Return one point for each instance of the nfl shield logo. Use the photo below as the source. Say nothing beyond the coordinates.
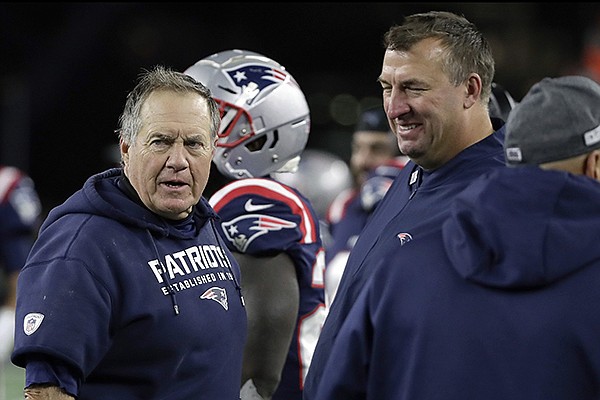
(32, 322)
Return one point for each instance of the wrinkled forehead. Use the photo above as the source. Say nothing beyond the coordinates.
(174, 104)
(175, 112)
(424, 59)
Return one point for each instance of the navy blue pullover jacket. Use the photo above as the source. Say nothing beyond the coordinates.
(94, 297)
(416, 202)
(501, 302)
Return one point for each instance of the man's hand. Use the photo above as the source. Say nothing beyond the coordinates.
(39, 392)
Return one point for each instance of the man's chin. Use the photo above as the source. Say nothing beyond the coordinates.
(174, 211)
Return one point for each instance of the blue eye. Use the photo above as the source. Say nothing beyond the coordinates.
(195, 144)
(158, 142)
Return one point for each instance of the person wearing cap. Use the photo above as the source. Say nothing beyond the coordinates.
(502, 301)
(557, 128)
(373, 143)
(374, 162)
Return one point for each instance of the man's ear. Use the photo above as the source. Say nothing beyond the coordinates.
(124, 148)
(473, 90)
(214, 147)
(592, 165)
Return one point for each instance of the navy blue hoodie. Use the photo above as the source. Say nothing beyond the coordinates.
(94, 297)
(501, 303)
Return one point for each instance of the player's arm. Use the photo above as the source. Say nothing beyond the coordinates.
(271, 292)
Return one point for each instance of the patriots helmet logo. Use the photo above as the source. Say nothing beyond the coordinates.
(261, 76)
(252, 79)
(241, 231)
(217, 294)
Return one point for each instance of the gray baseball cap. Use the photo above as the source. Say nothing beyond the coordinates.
(557, 119)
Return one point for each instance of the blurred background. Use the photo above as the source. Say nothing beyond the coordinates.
(66, 67)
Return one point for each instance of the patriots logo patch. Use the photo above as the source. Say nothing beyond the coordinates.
(32, 322)
(241, 231)
(404, 238)
(260, 75)
(217, 294)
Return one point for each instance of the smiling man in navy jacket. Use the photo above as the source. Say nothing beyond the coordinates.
(436, 81)
(502, 301)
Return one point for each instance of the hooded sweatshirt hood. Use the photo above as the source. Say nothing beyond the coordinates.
(524, 227)
(101, 196)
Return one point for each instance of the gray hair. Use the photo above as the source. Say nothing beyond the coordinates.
(162, 78)
(466, 49)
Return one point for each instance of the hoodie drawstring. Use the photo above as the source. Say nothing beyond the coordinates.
(165, 275)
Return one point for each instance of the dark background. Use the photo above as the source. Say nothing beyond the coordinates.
(65, 68)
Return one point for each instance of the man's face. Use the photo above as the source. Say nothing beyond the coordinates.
(426, 111)
(169, 161)
(370, 149)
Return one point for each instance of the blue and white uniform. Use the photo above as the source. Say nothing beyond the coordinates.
(116, 302)
(500, 302)
(260, 217)
(415, 203)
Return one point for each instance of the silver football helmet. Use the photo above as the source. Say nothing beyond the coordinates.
(265, 120)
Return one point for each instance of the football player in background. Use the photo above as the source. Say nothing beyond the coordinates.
(271, 227)
(20, 213)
